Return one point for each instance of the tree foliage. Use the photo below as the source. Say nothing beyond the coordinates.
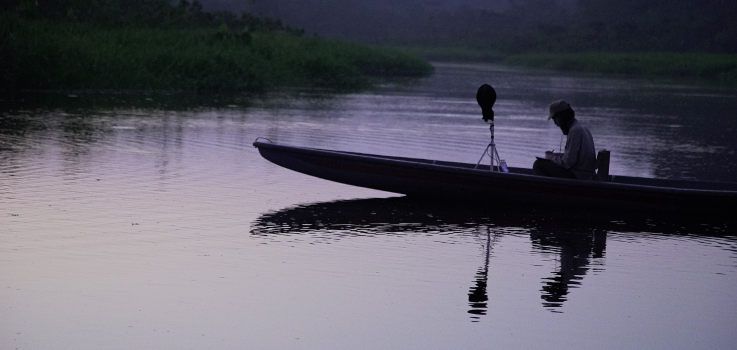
(606, 25)
(523, 25)
(155, 13)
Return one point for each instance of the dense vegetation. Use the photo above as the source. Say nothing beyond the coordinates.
(664, 38)
(612, 26)
(151, 45)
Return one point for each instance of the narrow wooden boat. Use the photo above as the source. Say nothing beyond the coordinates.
(467, 183)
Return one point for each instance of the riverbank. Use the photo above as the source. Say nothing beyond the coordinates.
(707, 67)
(714, 68)
(53, 55)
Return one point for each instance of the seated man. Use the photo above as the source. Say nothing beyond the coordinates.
(579, 159)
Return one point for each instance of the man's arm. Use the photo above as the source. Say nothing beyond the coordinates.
(573, 146)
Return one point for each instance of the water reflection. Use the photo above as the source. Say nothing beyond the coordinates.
(577, 247)
(577, 241)
(477, 296)
(364, 217)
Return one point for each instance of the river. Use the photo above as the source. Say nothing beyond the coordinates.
(125, 227)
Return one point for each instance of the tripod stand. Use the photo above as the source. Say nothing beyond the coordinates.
(501, 165)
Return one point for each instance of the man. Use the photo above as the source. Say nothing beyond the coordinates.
(579, 159)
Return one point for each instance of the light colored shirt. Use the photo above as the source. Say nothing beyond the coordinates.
(580, 155)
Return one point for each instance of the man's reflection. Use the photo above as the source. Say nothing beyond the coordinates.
(576, 249)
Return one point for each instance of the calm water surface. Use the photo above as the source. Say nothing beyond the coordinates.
(127, 228)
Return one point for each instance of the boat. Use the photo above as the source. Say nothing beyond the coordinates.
(476, 183)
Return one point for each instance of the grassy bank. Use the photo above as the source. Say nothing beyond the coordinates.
(720, 68)
(53, 55)
(714, 68)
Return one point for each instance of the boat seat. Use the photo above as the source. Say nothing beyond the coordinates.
(602, 165)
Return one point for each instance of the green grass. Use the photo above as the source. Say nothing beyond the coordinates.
(45, 55)
(720, 68)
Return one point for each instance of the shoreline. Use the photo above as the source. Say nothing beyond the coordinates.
(718, 69)
(709, 68)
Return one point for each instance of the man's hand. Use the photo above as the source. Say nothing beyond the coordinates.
(550, 155)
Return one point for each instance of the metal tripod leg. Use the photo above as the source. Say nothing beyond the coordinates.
(486, 150)
(492, 152)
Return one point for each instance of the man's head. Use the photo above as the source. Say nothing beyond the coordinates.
(562, 114)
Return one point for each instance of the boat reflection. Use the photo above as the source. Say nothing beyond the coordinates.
(578, 241)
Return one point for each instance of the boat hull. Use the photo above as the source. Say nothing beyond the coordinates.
(459, 181)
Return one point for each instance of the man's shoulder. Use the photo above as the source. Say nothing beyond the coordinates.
(579, 127)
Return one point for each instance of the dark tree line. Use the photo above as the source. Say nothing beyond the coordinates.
(674, 25)
(507, 25)
(522, 25)
(156, 13)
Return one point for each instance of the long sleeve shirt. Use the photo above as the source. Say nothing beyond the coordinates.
(580, 155)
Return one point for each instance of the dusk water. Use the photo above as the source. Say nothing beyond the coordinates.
(162, 228)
